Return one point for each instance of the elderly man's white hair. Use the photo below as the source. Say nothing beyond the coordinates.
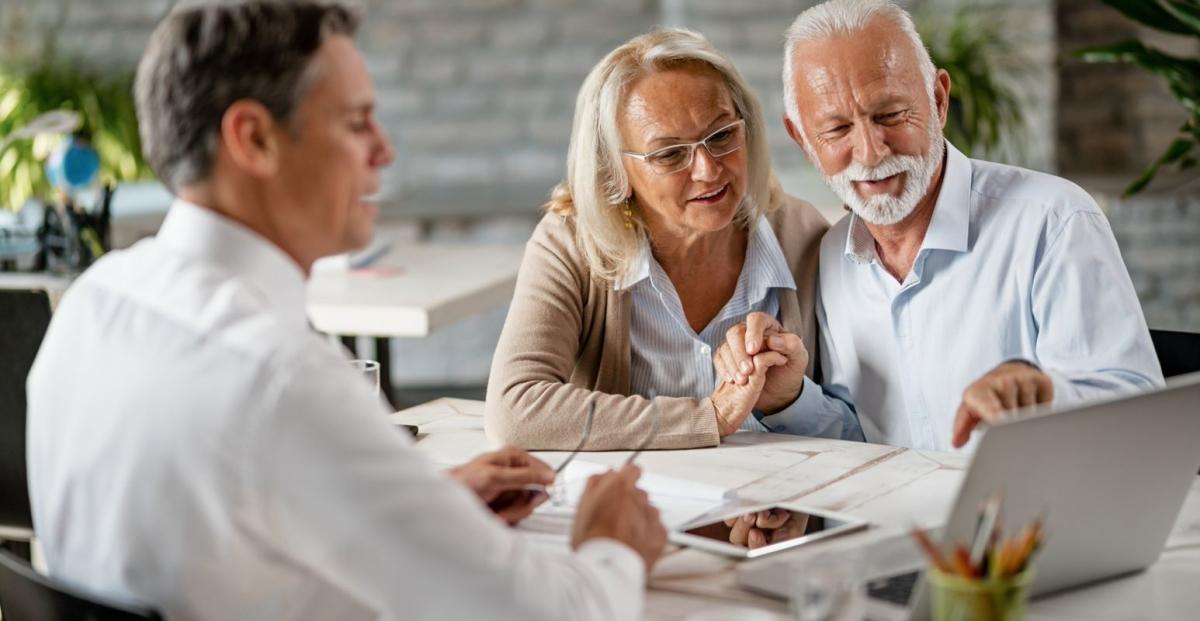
(846, 17)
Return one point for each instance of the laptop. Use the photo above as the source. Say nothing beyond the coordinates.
(1109, 478)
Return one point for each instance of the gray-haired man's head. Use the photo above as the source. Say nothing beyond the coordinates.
(867, 105)
(203, 58)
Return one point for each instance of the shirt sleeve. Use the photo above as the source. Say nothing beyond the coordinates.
(1092, 337)
(531, 400)
(337, 490)
(823, 411)
(815, 413)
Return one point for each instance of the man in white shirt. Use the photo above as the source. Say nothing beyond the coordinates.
(957, 289)
(194, 447)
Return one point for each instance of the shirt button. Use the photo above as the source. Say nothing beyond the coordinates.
(705, 350)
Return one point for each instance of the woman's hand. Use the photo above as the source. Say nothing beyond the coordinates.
(760, 334)
(734, 401)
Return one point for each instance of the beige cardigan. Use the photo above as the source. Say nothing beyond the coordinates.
(566, 340)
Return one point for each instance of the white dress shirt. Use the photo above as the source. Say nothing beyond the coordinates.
(1015, 265)
(671, 359)
(194, 447)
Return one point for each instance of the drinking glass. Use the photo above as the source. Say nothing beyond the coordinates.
(369, 369)
(829, 586)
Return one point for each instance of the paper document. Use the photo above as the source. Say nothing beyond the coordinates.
(670, 489)
(678, 501)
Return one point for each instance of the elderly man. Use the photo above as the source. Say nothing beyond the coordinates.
(957, 289)
(193, 446)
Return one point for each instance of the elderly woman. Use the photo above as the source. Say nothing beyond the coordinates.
(666, 233)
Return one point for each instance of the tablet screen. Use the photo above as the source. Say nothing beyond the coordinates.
(765, 527)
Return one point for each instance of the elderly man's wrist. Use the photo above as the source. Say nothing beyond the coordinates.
(783, 403)
(1025, 362)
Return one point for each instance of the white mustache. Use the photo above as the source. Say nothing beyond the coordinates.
(892, 166)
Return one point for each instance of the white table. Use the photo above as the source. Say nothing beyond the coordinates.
(413, 290)
(894, 488)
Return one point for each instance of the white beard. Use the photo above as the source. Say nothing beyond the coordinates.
(885, 209)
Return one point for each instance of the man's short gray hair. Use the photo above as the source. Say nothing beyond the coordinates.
(203, 58)
(840, 18)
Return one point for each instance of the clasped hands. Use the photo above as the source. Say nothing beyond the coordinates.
(761, 366)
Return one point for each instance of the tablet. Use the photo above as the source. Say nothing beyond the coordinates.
(752, 532)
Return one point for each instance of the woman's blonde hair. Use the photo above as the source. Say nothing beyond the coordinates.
(596, 183)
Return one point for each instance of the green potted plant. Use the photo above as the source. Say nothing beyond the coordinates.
(104, 102)
(1177, 17)
(985, 106)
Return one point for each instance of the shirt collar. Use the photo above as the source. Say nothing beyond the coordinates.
(208, 236)
(764, 257)
(860, 245)
(949, 229)
(638, 268)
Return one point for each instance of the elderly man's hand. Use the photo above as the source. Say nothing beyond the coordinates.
(501, 478)
(1009, 386)
(745, 341)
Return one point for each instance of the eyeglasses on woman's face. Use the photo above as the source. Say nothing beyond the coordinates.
(677, 157)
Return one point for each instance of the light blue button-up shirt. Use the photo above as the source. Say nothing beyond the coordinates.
(1015, 265)
(670, 359)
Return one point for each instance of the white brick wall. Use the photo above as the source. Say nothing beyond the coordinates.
(481, 92)
(1159, 235)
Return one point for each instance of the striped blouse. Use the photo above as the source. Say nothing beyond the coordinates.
(667, 356)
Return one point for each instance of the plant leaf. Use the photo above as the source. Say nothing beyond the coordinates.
(1150, 13)
(1183, 74)
(1188, 13)
(985, 69)
(1177, 151)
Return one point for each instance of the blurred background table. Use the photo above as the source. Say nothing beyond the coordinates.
(413, 290)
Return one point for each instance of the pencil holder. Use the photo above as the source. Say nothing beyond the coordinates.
(958, 599)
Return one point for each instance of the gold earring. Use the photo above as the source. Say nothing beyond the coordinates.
(627, 212)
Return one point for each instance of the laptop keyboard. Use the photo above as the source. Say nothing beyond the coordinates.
(897, 589)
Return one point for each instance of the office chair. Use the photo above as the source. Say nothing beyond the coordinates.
(26, 595)
(24, 316)
(1178, 352)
